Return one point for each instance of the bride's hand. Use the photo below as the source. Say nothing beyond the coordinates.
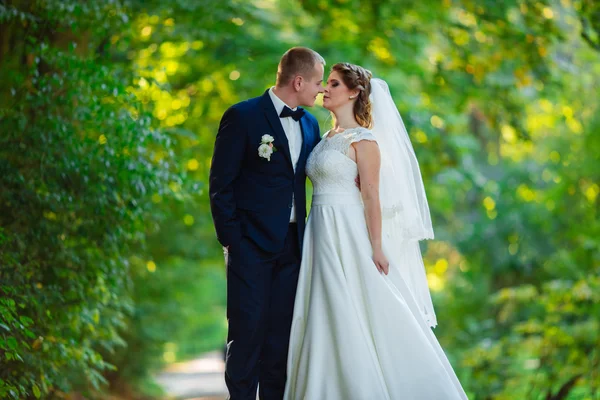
(381, 261)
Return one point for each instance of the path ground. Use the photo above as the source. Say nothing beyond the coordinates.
(199, 379)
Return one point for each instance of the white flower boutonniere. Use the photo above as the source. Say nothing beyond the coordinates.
(266, 148)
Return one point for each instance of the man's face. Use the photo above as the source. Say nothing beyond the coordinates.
(312, 85)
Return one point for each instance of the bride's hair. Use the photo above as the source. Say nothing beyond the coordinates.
(357, 77)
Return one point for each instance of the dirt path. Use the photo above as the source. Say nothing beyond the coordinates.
(199, 379)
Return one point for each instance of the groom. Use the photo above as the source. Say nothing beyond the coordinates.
(258, 203)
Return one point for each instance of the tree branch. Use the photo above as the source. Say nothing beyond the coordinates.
(586, 36)
(564, 390)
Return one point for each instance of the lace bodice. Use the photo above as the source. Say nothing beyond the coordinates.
(329, 167)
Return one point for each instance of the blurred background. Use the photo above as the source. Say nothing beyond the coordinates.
(109, 267)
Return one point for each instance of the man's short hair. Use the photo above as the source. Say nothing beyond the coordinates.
(297, 61)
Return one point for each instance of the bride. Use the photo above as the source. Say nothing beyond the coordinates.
(363, 312)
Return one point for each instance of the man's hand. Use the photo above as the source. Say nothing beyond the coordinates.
(226, 254)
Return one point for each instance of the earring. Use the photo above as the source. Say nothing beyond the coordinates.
(352, 97)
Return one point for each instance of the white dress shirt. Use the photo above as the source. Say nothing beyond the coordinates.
(293, 132)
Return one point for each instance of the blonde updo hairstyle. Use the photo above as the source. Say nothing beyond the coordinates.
(357, 77)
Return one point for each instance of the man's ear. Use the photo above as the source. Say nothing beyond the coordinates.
(298, 82)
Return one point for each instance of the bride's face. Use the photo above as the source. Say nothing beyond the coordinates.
(336, 93)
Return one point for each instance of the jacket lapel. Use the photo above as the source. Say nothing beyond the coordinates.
(281, 142)
(306, 129)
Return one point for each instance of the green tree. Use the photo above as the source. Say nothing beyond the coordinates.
(78, 165)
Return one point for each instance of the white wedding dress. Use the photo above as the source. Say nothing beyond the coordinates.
(357, 334)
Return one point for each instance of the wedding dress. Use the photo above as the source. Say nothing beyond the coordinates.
(358, 334)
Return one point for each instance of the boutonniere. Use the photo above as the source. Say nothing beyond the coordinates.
(266, 148)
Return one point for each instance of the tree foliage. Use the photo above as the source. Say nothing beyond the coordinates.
(79, 160)
(108, 115)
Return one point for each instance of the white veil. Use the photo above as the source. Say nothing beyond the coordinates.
(405, 211)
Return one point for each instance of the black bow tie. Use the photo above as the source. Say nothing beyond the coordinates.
(287, 112)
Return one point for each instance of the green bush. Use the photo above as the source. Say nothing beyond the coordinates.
(79, 162)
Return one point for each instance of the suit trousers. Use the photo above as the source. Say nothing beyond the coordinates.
(261, 289)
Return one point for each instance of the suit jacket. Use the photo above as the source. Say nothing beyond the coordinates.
(250, 196)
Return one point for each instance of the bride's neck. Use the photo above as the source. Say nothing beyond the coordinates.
(345, 120)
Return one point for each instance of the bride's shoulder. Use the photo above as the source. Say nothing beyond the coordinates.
(360, 133)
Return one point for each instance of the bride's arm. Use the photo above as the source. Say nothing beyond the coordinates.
(368, 160)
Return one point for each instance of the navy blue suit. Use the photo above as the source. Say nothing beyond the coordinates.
(251, 200)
